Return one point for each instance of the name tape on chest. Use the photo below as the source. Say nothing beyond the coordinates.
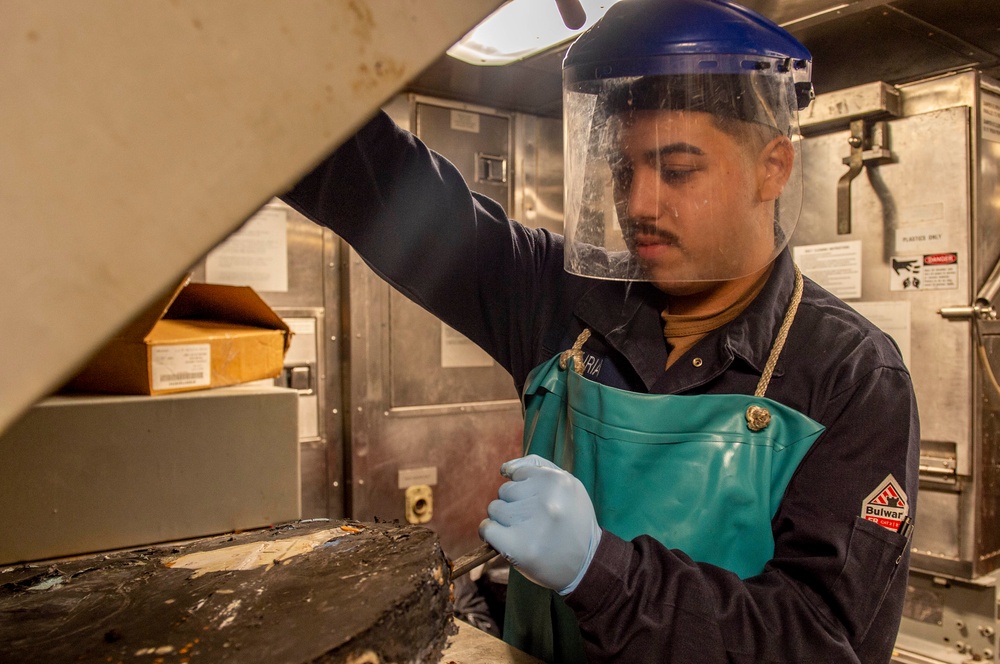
(592, 365)
(887, 505)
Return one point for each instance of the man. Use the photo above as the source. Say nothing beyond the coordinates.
(703, 426)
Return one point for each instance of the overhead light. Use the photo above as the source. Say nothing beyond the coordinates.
(519, 29)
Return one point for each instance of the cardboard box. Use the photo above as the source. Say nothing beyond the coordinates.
(198, 336)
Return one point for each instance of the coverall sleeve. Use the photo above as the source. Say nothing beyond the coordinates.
(409, 214)
(833, 591)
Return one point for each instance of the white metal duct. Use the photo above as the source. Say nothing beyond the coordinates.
(136, 135)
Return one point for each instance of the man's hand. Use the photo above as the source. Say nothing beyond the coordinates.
(543, 523)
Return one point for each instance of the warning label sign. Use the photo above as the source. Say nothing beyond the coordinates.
(887, 505)
(927, 272)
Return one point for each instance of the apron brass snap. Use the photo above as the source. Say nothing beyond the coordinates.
(758, 418)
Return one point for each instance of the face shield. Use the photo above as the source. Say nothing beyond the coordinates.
(683, 169)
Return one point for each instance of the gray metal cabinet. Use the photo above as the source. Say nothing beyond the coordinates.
(921, 240)
(432, 417)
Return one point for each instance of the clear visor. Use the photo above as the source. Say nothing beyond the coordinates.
(680, 178)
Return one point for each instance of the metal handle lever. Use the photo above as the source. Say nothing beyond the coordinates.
(855, 163)
(982, 307)
(980, 310)
(869, 143)
(572, 12)
(465, 564)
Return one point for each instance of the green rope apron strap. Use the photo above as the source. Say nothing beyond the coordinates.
(576, 352)
(758, 417)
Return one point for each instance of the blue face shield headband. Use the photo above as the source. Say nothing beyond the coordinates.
(656, 74)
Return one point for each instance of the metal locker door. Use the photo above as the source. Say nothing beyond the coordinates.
(432, 416)
(918, 205)
(923, 240)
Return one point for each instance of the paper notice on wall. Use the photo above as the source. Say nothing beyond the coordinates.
(308, 416)
(416, 476)
(302, 350)
(835, 266)
(990, 116)
(457, 351)
(256, 255)
(465, 121)
(924, 272)
(893, 318)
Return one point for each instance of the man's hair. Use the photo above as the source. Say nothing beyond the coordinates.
(733, 101)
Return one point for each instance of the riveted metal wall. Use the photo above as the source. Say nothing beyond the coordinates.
(923, 215)
(430, 415)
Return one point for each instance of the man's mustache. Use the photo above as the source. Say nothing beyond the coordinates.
(632, 228)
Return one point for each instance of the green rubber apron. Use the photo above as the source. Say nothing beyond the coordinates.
(703, 474)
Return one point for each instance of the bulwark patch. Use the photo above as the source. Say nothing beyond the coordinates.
(887, 505)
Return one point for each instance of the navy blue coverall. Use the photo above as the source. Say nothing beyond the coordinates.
(834, 590)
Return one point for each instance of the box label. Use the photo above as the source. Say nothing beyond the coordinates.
(187, 365)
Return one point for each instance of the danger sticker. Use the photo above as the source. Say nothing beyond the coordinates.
(927, 272)
(887, 505)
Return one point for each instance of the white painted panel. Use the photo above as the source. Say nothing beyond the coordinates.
(137, 135)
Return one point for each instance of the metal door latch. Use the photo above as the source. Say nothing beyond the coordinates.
(869, 143)
(982, 306)
(491, 168)
(980, 310)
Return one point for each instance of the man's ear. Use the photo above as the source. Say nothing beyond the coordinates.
(774, 166)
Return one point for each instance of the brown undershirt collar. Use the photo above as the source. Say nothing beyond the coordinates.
(684, 331)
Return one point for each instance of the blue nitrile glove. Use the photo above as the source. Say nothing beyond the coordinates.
(543, 523)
